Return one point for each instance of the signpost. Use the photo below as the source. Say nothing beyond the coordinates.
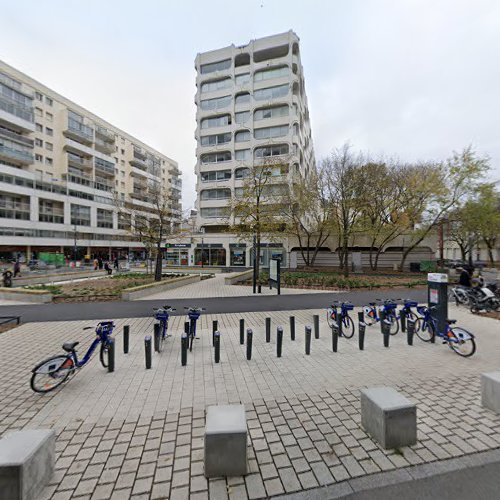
(275, 274)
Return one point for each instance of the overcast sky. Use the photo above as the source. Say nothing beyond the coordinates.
(415, 79)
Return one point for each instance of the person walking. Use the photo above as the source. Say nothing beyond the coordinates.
(116, 263)
(17, 268)
(96, 264)
(99, 261)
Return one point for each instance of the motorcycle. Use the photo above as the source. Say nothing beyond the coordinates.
(7, 278)
(483, 299)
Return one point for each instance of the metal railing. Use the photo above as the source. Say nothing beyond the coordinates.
(17, 137)
(16, 154)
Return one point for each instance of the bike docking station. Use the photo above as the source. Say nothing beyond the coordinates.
(437, 297)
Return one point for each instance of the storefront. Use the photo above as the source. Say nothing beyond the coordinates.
(237, 254)
(270, 251)
(178, 254)
(210, 254)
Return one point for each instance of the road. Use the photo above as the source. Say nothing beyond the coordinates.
(216, 305)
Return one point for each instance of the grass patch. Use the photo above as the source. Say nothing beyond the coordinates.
(53, 289)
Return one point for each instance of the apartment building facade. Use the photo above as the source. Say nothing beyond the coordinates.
(62, 169)
(251, 109)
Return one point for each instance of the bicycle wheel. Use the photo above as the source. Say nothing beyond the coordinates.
(426, 330)
(394, 324)
(416, 318)
(103, 354)
(347, 327)
(191, 338)
(331, 322)
(160, 339)
(463, 342)
(51, 373)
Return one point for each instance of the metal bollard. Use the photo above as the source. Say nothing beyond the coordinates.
(316, 326)
(111, 355)
(268, 330)
(156, 336)
(147, 347)
(410, 330)
(361, 330)
(249, 343)
(339, 322)
(186, 327)
(126, 333)
(292, 327)
(381, 315)
(184, 349)
(279, 341)
(402, 318)
(217, 346)
(335, 337)
(386, 331)
(215, 327)
(242, 331)
(308, 339)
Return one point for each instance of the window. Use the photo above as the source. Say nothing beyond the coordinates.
(49, 101)
(38, 112)
(48, 161)
(242, 98)
(271, 132)
(214, 85)
(38, 158)
(271, 93)
(242, 136)
(276, 112)
(211, 212)
(39, 127)
(218, 175)
(104, 218)
(49, 146)
(49, 116)
(14, 207)
(123, 151)
(216, 157)
(49, 131)
(213, 140)
(80, 215)
(218, 121)
(50, 211)
(242, 79)
(267, 74)
(38, 96)
(216, 194)
(275, 150)
(39, 142)
(241, 173)
(242, 154)
(216, 66)
(242, 117)
(214, 104)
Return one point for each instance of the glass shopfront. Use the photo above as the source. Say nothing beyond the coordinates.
(237, 254)
(270, 251)
(178, 254)
(210, 255)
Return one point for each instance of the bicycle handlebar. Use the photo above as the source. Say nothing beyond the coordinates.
(195, 308)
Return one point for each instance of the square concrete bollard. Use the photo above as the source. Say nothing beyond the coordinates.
(389, 417)
(490, 391)
(27, 461)
(226, 441)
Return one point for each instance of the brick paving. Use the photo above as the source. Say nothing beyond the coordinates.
(139, 434)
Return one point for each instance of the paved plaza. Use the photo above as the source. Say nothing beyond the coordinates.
(138, 433)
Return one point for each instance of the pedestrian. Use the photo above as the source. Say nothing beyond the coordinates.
(465, 277)
(107, 267)
(99, 261)
(17, 268)
(116, 264)
(96, 264)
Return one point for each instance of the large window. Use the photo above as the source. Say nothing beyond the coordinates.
(267, 74)
(213, 212)
(218, 121)
(217, 103)
(242, 136)
(104, 218)
(242, 154)
(275, 112)
(271, 132)
(242, 79)
(14, 207)
(218, 175)
(216, 66)
(242, 98)
(216, 194)
(51, 211)
(80, 215)
(214, 140)
(210, 256)
(241, 173)
(271, 93)
(221, 84)
(241, 117)
(216, 157)
(275, 150)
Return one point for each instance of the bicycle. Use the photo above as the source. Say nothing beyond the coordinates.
(193, 314)
(407, 310)
(388, 307)
(458, 339)
(347, 322)
(162, 315)
(52, 372)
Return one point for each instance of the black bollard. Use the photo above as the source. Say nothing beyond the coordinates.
(156, 336)
(249, 343)
(111, 354)
(361, 330)
(410, 330)
(126, 333)
(215, 327)
(279, 341)
(386, 331)
(184, 349)
(308, 339)
(186, 327)
(335, 337)
(259, 288)
(381, 315)
(268, 330)
(292, 327)
(147, 347)
(339, 322)
(242, 331)
(402, 318)
(217, 346)
(316, 326)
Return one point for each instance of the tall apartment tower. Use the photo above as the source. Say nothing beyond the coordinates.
(61, 167)
(251, 106)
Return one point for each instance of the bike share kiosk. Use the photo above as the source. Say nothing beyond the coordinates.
(437, 297)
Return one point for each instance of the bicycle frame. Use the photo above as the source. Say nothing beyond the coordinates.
(344, 312)
(103, 331)
(427, 317)
(388, 308)
(162, 316)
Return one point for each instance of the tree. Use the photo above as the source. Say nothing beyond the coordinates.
(463, 229)
(151, 225)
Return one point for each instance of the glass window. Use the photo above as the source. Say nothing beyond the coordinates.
(218, 175)
(214, 85)
(214, 104)
(241, 117)
(276, 112)
(38, 157)
(213, 140)
(48, 161)
(38, 96)
(216, 194)
(216, 66)
(242, 136)
(242, 154)
(210, 256)
(216, 157)
(39, 143)
(267, 74)
(49, 101)
(104, 218)
(241, 173)
(39, 127)
(49, 146)
(242, 79)
(212, 212)
(49, 131)
(242, 98)
(271, 93)
(49, 116)
(275, 150)
(237, 256)
(217, 121)
(80, 215)
(271, 132)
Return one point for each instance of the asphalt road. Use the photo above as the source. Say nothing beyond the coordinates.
(216, 305)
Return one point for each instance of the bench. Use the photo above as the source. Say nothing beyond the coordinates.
(27, 461)
(226, 441)
(490, 391)
(389, 417)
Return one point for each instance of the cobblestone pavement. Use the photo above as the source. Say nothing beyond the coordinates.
(215, 287)
(138, 433)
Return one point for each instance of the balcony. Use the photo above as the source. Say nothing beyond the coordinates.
(103, 184)
(79, 131)
(16, 114)
(138, 173)
(16, 156)
(10, 209)
(139, 163)
(104, 167)
(139, 194)
(104, 147)
(21, 139)
(78, 178)
(105, 134)
(79, 161)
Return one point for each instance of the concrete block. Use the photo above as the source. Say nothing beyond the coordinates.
(389, 417)
(226, 441)
(490, 391)
(27, 461)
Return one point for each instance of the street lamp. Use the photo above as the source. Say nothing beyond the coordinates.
(74, 245)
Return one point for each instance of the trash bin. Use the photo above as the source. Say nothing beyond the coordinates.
(437, 297)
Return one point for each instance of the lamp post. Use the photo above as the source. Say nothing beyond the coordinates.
(254, 263)
(74, 245)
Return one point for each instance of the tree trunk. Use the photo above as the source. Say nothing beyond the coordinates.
(463, 252)
(345, 251)
(158, 263)
(489, 246)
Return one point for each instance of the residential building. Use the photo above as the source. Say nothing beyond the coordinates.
(62, 169)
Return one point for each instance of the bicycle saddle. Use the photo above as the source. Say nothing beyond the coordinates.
(70, 346)
(451, 321)
(372, 303)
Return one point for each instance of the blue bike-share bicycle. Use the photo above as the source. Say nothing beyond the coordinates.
(193, 314)
(162, 315)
